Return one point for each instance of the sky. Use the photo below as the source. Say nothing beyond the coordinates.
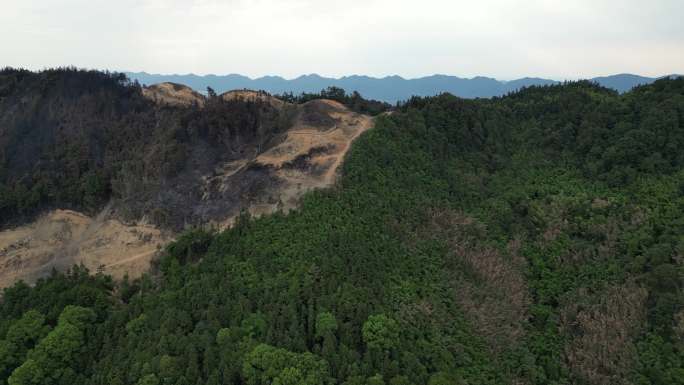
(505, 39)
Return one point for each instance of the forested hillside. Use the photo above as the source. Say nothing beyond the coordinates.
(535, 238)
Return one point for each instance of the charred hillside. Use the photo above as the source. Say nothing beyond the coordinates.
(96, 170)
(80, 139)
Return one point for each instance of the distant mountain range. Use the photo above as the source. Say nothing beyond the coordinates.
(390, 89)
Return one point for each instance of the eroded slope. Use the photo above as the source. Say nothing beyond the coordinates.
(261, 172)
(305, 157)
(173, 94)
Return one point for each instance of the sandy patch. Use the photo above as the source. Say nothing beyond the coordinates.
(62, 238)
(173, 94)
(309, 156)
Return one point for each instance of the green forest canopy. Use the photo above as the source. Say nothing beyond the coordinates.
(535, 238)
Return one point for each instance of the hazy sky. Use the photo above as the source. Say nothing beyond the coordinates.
(498, 38)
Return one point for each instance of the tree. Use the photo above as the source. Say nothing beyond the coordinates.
(149, 379)
(334, 93)
(443, 378)
(55, 359)
(254, 326)
(400, 380)
(380, 332)
(169, 369)
(269, 365)
(325, 324)
(22, 335)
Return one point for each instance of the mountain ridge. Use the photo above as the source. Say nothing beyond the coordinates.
(392, 89)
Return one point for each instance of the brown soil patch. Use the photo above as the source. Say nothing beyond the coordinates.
(63, 238)
(309, 157)
(304, 158)
(173, 94)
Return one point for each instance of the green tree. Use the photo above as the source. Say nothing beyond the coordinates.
(22, 335)
(269, 365)
(56, 357)
(149, 379)
(443, 378)
(325, 324)
(380, 332)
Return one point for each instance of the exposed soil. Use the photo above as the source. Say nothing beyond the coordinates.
(63, 238)
(304, 158)
(317, 154)
(173, 94)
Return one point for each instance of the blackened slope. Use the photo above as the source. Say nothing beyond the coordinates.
(162, 155)
(76, 139)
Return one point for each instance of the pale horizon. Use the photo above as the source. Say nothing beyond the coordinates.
(496, 38)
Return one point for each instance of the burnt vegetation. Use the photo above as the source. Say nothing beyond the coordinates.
(79, 139)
